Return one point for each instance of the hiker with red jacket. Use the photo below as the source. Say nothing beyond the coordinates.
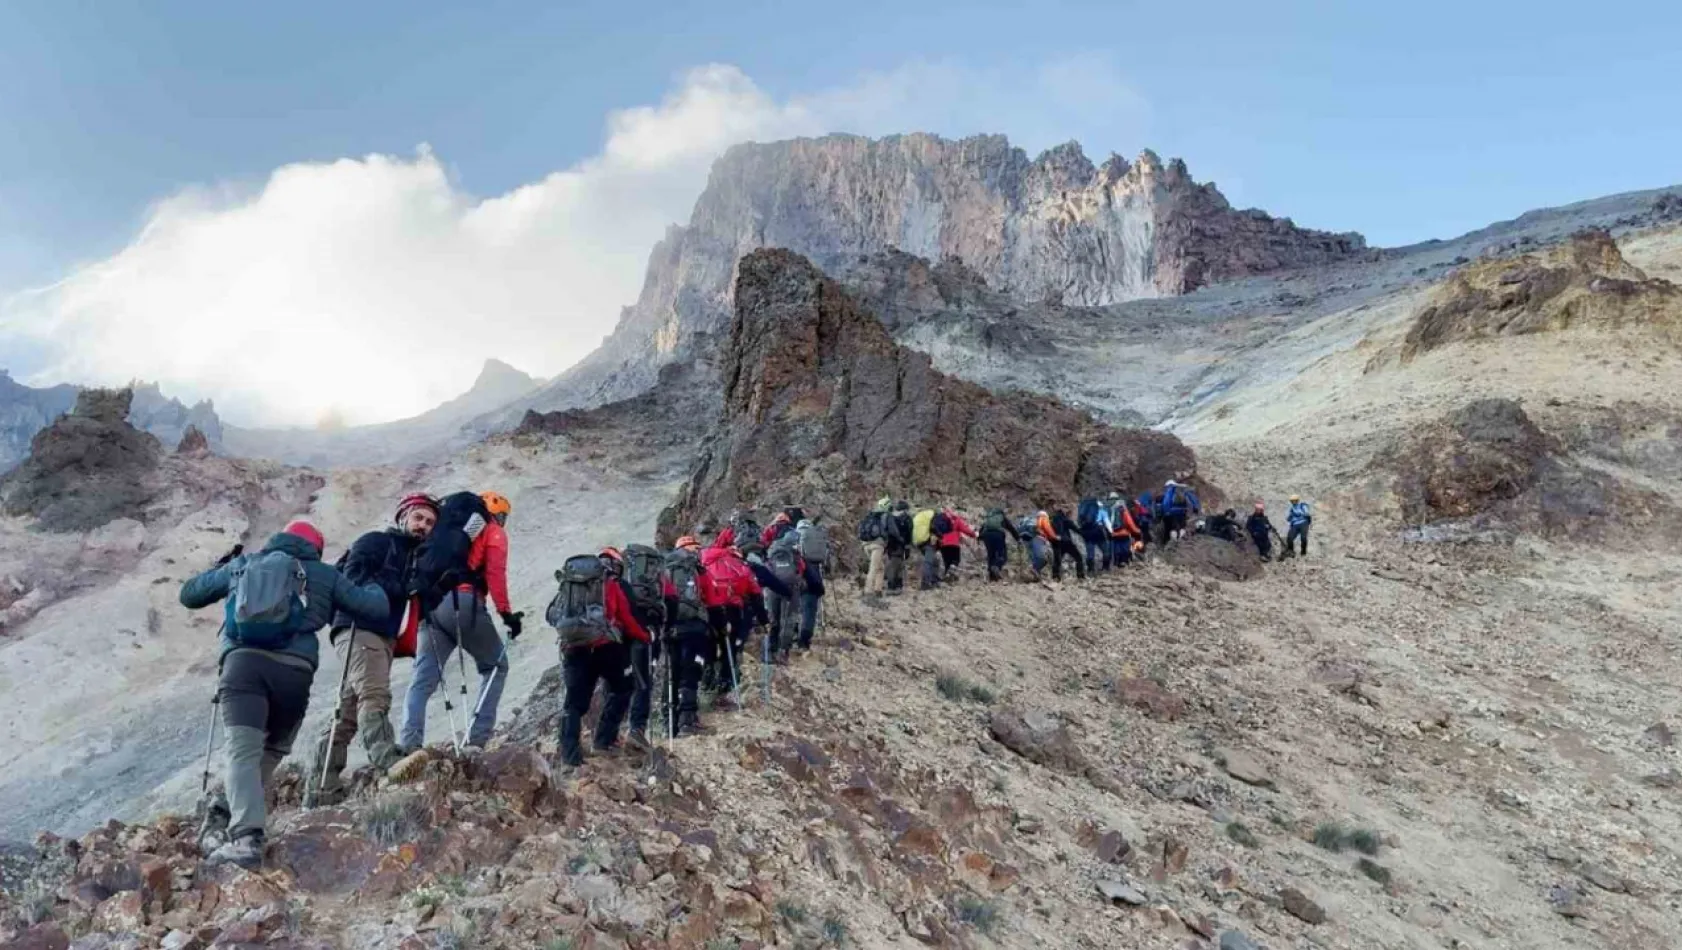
(366, 649)
(460, 619)
(278, 601)
(730, 622)
(596, 629)
(951, 550)
(692, 596)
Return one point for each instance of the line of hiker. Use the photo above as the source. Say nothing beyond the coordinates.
(421, 588)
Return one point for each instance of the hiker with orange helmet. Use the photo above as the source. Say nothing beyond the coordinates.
(277, 602)
(597, 626)
(692, 597)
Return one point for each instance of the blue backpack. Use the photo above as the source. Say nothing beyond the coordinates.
(268, 595)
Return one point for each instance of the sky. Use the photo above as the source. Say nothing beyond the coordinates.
(314, 210)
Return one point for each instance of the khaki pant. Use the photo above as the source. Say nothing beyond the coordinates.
(365, 704)
(876, 577)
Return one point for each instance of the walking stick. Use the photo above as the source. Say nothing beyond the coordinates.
(210, 739)
(765, 667)
(485, 688)
(730, 660)
(333, 724)
(443, 685)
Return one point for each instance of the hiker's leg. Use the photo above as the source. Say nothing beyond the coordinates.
(642, 690)
(613, 668)
(777, 606)
(480, 640)
(808, 618)
(580, 675)
(431, 653)
(1305, 540)
(244, 699)
(370, 678)
(874, 575)
(341, 730)
(289, 700)
(896, 569)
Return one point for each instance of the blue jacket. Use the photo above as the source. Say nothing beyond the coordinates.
(1299, 515)
(328, 590)
(1175, 500)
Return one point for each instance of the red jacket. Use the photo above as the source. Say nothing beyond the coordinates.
(730, 574)
(775, 529)
(488, 557)
(619, 612)
(960, 530)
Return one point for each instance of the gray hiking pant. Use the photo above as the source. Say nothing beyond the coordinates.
(781, 633)
(931, 567)
(466, 613)
(264, 697)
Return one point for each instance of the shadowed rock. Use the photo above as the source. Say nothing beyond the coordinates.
(86, 469)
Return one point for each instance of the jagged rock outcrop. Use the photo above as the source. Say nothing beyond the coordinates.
(86, 469)
(821, 406)
(169, 418)
(24, 411)
(1584, 281)
(193, 442)
(1055, 228)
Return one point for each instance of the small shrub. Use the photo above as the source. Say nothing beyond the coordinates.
(958, 690)
(792, 913)
(835, 930)
(426, 898)
(1240, 833)
(560, 943)
(1372, 869)
(154, 621)
(460, 935)
(391, 822)
(984, 916)
(1329, 836)
(1364, 840)
(453, 884)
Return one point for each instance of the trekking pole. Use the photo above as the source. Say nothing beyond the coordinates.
(730, 660)
(210, 739)
(765, 668)
(485, 688)
(333, 724)
(444, 687)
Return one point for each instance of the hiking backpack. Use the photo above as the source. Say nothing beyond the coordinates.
(940, 526)
(441, 560)
(784, 560)
(267, 597)
(643, 567)
(579, 611)
(814, 543)
(1027, 528)
(872, 527)
(746, 530)
(920, 524)
(684, 569)
(995, 521)
(1172, 499)
(1086, 516)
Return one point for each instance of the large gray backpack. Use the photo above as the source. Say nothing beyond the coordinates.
(579, 610)
(784, 559)
(684, 569)
(268, 595)
(814, 543)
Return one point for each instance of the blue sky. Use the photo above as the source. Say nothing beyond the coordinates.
(1402, 121)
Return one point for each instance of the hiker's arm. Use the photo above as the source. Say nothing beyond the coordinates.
(619, 613)
(367, 602)
(496, 572)
(206, 589)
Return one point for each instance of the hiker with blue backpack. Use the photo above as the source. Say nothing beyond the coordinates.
(1178, 503)
(1093, 521)
(278, 600)
(1298, 519)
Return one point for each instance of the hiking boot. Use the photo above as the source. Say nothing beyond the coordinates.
(689, 724)
(611, 748)
(780, 659)
(637, 741)
(245, 851)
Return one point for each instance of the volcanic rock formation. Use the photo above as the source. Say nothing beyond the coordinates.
(87, 468)
(822, 406)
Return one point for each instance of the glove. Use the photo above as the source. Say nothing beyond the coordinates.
(233, 552)
(512, 622)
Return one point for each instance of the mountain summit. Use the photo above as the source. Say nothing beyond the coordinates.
(1054, 228)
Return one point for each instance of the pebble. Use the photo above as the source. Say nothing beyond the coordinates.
(1235, 940)
(1120, 892)
(1299, 906)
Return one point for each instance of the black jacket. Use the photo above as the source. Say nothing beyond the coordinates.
(899, 531)
(1258, 525)
(387, 559)
(1064, 526)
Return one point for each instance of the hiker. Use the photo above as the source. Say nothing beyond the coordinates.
(1176, 505)
(1062, 532)
(278, 600)
(1124, 532)
(593, 622)
(951, 542)
(1298, 520)
(1144, 516)
(1034, 542)
(460, 618)
(1261, 531)
(643, 578)
(995, 528)
(814, 550)
(1223, 525)
(926, 528)
(780, 525)
(898, 544)
(729, 620)
(873, 531)
(789, 568)
(1093, 523)
(690, 599)
(366, 650)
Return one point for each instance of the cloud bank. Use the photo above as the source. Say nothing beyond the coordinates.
(372, 288)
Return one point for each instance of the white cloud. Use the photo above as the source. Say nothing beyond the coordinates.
(374, 287)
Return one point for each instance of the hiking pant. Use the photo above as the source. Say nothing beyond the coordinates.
(931, 568)
(692, 640)
(1121, 550)
(263, 697)
(609, 663)
(464, 612)
(781, 631)
(1097, 554)
(1264, 544)
(1297, 531)
(364, 703)
(896, 568)
(951, 555)
(808, 617)
(1173, 525)
(738, 628)
(997, 556)
(874, 578)
(642, 684)
(1039, 551)
(1065, 548)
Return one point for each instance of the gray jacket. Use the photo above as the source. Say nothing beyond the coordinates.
(328, 590)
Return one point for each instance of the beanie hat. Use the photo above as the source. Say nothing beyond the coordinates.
(307, 531)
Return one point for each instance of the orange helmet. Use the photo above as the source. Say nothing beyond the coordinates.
(611, 553)
(687, 542)
(496, 504)
(1138, 546)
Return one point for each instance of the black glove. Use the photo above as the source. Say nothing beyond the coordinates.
(233, 552)
(512, 622)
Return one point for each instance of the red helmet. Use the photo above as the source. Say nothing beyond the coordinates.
(611, 552)
(415, 500)
(687, 541)
(307, 531)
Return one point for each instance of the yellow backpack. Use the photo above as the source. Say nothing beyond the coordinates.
(920, 527)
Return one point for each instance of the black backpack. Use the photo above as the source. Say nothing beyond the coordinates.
(746, 529)
(441, 560)
(644, 566)
(1086, 516)
(684, 568)
(939, 526)
(872, 527)
(579, 610)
